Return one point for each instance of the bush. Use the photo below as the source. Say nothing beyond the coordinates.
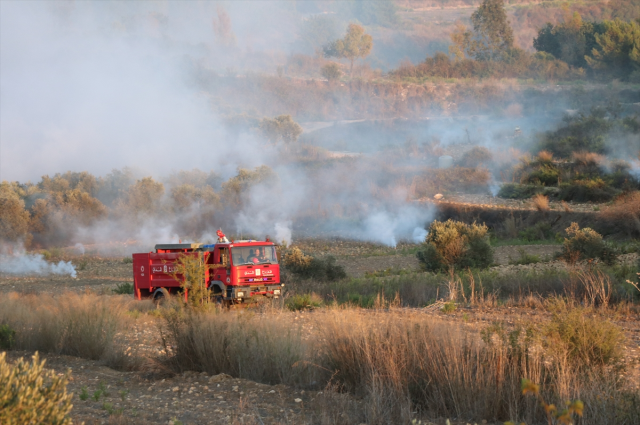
(539, 232)
(586, 191)
(76, 325)
(30, 394)
(7, 337)
(308, 267)
(124, 288)
(586, 244)
(331, 71)
(586, 340)
(456, 245)
(519, 191)
(304, 301)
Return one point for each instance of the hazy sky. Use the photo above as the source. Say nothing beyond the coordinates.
(101, 85)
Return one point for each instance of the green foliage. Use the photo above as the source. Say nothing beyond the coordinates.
(569, 41)
(7, 337)
(84, 394)
(519, 191)
(189, 270)
(599, 131)
(538, 232)
(331, 71)
(455, 245)
(304, 301)
(281, 129)
(123, 288)
(586, 340)
(586, 191)
(617, 54)
(127, 260)
(355, 44)
(586, 244)
(448, 307)
(30, 394)
(308, 267)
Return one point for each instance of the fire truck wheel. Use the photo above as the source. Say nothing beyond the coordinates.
(160, 296)
(221, 302)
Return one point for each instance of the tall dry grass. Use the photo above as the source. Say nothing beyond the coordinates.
(398, 365)
(78, 325)
(251, 346)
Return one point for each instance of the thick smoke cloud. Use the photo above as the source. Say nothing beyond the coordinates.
(22, 263)
(102, 85)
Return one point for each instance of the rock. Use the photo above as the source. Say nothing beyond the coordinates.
(220, 377)
(438, 196)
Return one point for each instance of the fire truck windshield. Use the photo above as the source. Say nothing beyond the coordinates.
(257, 254)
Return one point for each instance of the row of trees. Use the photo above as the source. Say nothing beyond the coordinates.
(574, 48)
(52, 211)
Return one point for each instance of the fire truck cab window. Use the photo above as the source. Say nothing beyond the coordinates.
(258, 254)
(224, 257)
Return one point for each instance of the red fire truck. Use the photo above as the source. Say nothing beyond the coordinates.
(237, 272)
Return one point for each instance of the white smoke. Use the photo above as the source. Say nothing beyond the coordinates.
(283, 232)
(79, 248)
(419, 235)
(22, 263)
(388, 227)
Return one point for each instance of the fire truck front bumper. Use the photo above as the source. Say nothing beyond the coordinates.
(247, 292)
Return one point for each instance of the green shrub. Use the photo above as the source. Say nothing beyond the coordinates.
(586, 191)
(448, 307)
(545, 175)
(7, 337)
(586, 244)
(308, 267)
(519, 191)
(584, 339)
(123, 288)
(30, 394)
(127, 260)
(539, 232)
(524, 258)
(456, 245)
(304, 301)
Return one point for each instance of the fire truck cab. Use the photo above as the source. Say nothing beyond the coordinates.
(236, 272)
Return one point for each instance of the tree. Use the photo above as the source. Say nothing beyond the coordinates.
(355, 44)
(618, 50)
(145, 196)
(492, 36)
(14, 219)
(331, 71)
(569, 41)
(282, 127)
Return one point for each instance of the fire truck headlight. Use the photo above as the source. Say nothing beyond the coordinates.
(240, 294)
(276, 292)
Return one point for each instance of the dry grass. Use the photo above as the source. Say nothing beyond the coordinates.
(78, 325)
(625, 212)
(540, 202)
(399, 365)
(588, 159)
(545, 157)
